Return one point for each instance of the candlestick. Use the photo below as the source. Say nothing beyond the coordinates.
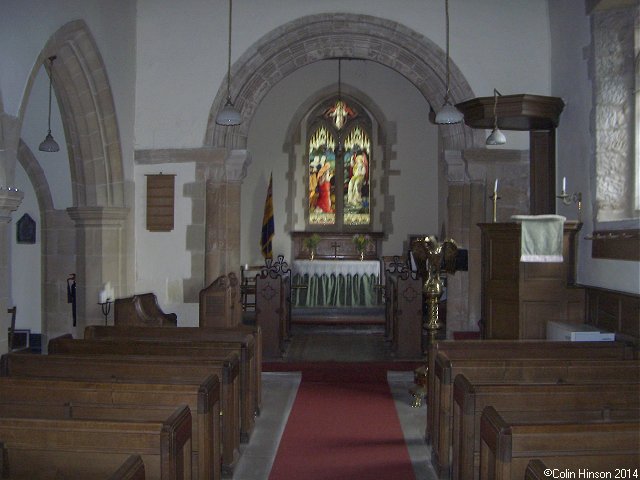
(495, 199)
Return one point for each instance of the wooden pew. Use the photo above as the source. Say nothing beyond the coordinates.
(192, 348)
(273, 311)
(407, 320)
(203, 399)
(131, 469)
(530, 402)
(81, 449)
(535, 470)
(507, 448)
(248, 338)
(496, 349)
(515, 370)
(141, 309)
(143, 368)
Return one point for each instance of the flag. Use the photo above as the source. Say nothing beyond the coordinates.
(267, 222)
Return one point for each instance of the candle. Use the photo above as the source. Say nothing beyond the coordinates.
(495, 187)
(102, 297)
(564, 184)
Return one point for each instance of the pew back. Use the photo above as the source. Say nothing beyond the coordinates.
(202, 398)
(192, 349)
(507, 448)
(143, 369)
(143, 310)
(516, 370)
(80, 449)
(529, 403)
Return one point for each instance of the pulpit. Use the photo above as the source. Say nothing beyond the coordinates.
(338, 276)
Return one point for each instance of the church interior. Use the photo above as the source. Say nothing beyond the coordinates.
(211, 208)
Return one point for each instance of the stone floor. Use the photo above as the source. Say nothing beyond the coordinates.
(315, 343)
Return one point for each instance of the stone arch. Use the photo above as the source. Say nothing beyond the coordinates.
(88, 115)
(96, 223)
(317, 37)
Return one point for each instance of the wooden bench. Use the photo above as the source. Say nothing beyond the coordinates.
(202, 398)
(249, 340)
(507, 448)
(530, 402)
(517, 370)
(490, 349)
(80, 449)
(192, 348)
(143, 368)
(141, 309)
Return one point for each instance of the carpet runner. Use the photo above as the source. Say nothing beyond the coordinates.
(343, 425)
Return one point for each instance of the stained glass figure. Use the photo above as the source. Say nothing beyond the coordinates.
(322, 166)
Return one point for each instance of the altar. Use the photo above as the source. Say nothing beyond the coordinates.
(335, 283)
(337, 276)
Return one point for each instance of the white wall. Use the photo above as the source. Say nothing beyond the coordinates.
(571, 38)
(26, 262)
(162, 258)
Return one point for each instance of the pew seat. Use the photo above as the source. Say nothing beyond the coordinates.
(141, 309)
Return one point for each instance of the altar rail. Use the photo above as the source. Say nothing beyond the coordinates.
(336, 246)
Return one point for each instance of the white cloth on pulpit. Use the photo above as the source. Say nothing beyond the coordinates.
(541, 237)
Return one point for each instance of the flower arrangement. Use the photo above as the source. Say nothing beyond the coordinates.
(361, 241)
(312, 241)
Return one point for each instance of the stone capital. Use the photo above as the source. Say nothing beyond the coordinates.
(98, 216)
(233, 169)
(10, 200)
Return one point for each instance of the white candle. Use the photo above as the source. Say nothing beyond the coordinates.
(564, 184)
(103, 296)
(495, 186)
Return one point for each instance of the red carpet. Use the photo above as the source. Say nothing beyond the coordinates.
(343, 425)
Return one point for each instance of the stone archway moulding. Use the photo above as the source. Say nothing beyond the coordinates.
(318, 37)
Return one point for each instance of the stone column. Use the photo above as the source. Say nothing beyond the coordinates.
(222, 225)
(10, 199)
(100, 236)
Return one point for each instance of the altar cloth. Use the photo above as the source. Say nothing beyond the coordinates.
(335, 283)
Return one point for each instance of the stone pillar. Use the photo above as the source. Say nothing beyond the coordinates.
(10, 199)
(100, 236)
(222, 226)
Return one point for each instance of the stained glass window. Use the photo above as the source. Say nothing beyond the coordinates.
(339, 161)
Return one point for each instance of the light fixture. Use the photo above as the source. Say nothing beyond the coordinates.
(49, 144)
(448, 114)
(496, 137)
(229, 115)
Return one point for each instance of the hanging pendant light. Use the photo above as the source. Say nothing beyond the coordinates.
(229, 115)
(448, 114)
(496, 137)
(49, 144)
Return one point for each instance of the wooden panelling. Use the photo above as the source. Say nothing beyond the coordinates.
(616, 244)
(615, 312)
(518, 298)
(160, 198)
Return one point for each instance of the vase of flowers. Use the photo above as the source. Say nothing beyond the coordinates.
(311, 243)
(361, 241)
